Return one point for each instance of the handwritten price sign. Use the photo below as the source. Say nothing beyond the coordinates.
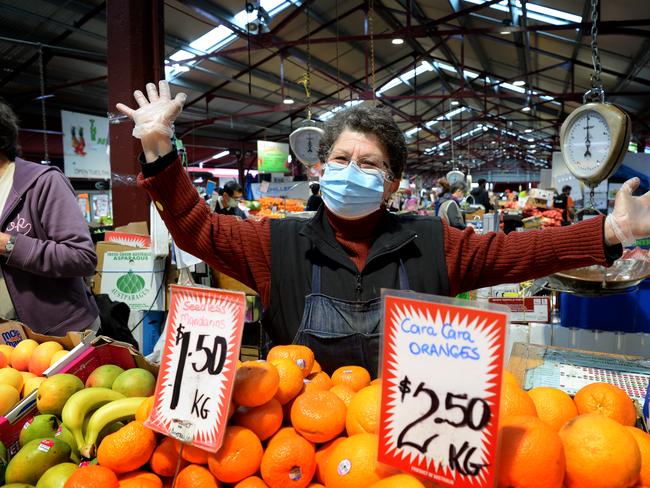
(198, 365)
(441, 377)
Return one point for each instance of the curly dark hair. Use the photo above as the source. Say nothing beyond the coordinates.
(367, 119)
(8, 132)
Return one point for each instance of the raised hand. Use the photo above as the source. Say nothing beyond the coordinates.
(156, 115)
(630, 219)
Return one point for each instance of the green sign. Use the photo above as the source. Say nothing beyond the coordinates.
(272, 157)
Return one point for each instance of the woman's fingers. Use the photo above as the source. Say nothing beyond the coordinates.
(152, 93)
(128, 111)
(140, 98)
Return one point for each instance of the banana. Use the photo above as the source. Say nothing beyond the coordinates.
(114, 411)
(81, 404)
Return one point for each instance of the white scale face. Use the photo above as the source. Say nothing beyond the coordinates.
(304, 142)
(588, 144)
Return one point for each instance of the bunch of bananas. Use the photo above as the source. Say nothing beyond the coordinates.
(96, 408)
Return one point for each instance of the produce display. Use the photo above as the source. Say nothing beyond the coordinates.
(293, 425)
(22, 368)
(549, 218)
(277, 207)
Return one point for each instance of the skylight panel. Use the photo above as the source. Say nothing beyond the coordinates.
(535, 12)
(510, 86)
(181, 55)
(208, 41)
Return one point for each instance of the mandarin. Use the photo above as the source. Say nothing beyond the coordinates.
(195, 476)
(353, 463)
(398, 481)
(140, 479)
(363, 412)
(289, 460)
(344, 392)
(192, 454)
(92, 477)
(515, 402)
(322, 456)
(318, 415)
(600, 453)
(264, 420)
(643, 441)
(355, 377)
(291, 380)
(238, 457)
(301, 355)
(127, 449)
(252, 482)
(256, 382)
(553, 406)
(144, 410)
(531, 454)
(608, 400)
(318, 381)
(165, 458)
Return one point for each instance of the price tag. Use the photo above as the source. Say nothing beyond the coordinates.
(199, 360)
(441, 376)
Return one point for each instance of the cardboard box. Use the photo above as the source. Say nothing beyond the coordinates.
(526, 309)
(135, 278)
(12, 332)
(571, 369)
(102, 350)
(540, 194)
(134, 228)
(101, 249)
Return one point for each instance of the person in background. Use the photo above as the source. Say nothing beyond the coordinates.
(45, 246)
(448, 208)
(481, 196)
(228, 201)
(564, 202)
(315, 200)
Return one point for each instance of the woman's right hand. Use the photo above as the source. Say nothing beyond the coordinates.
(154, 118)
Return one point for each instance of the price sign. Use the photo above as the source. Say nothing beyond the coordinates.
(441, 377)
(197, 370)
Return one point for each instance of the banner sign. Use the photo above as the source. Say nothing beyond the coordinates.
(441, 380)
(272, 157)
(85, 144)
(199, 361)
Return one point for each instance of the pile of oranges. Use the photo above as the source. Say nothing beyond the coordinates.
(291, 425)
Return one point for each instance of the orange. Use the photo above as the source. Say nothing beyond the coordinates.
(532, 455)
(4, 362)
(301, 355)
(41, 357)
(376, 381)
(232, 408)
(363, 412)
(290, 380)
(252, 482)
(600, 453)
(240, 455)
(264, 420)
(398, 481)
(6, 351)
(92, 477)
(323, 454)
(318, 381)
(643, 442)
(289, 460)
(194, 476)
(127, 449)
(607, 400)
(192, 454)
(164, 458)
(353, 463)
(315, 485)
(9, 396)
(21, 354)
(344, 392)
(318, 415)
(515, 402)
(553, 406)
(508, 377)
(256, 382)
(355, 377)
(140, 479)
(144, 410)
(316, 368)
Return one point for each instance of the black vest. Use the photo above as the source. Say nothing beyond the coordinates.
(297, 243)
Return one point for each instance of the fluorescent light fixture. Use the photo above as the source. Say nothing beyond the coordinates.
(504, 32)
(221, 154)
(397, 41)
(528, 131)
(511, 87)
(526, 109)
(412, 131)
(532, 146)
(454, 102)
(288, 101)
(329, 114)
(441, 153)
(519, 83)
(493, 142)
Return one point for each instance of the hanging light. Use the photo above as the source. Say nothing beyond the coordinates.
(288, 101)
(397, 41)
(526, 109)
(519, 83)
(454, 103)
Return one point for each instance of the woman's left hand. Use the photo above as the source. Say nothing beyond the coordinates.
(630, 219)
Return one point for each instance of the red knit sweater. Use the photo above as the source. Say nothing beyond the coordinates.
(241, 249)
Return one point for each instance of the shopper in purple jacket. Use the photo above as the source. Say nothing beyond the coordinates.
(45, 245)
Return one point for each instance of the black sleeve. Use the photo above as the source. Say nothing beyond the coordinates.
(152, 169)
(455, 218)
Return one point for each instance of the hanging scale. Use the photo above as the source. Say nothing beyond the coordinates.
(595, 136)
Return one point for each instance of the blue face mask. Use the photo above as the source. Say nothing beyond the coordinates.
(350, 192)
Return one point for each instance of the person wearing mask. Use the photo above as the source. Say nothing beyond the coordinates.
(315, 200)
(448, 206)
(320, 279)
(45, 246)
(564, 202)
(228, 201)
(481, 195)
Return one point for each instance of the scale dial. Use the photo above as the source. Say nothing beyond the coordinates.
(304, 142)
(594, 139)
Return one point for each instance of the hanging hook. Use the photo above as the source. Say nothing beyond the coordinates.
(41, 75)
